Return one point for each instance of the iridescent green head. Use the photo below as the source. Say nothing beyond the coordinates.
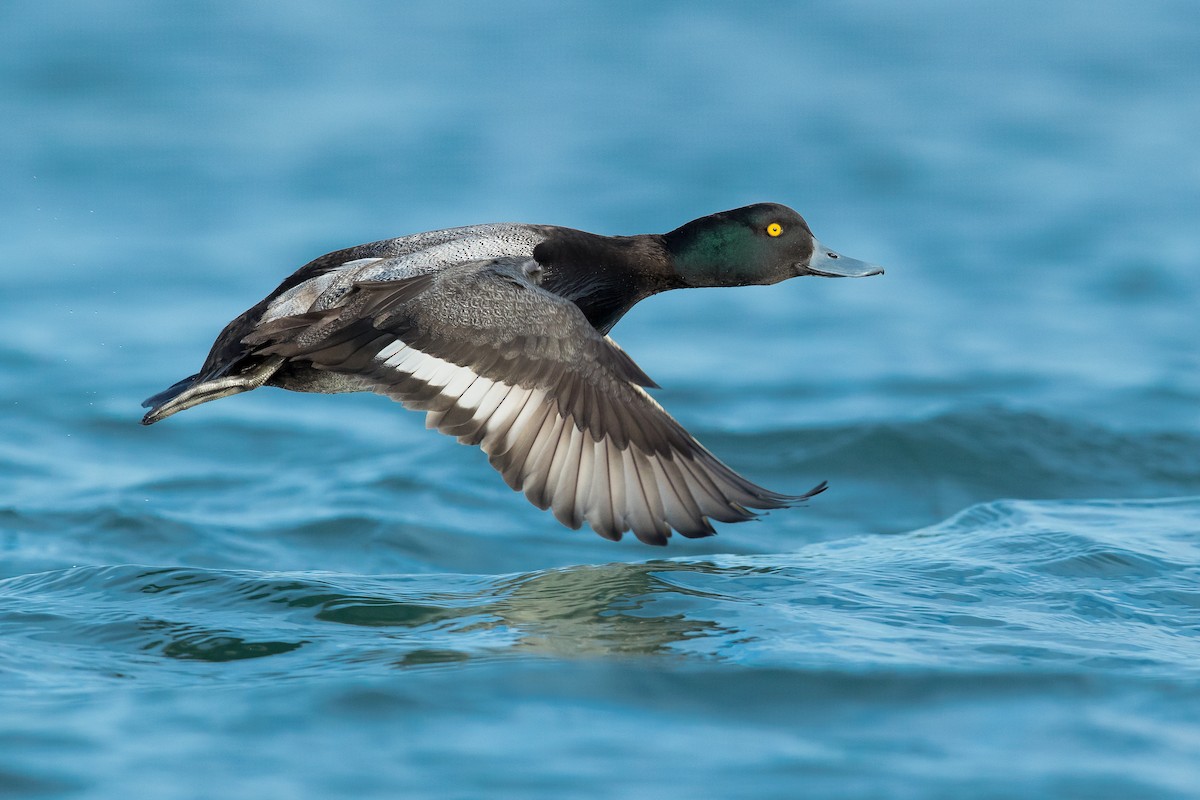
(759, 244)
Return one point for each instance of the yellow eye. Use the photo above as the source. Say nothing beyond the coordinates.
(774, 229)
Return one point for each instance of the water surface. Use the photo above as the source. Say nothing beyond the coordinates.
(293, 596)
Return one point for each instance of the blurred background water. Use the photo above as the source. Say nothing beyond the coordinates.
(281, 595)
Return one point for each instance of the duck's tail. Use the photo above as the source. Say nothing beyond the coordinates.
(194, 390)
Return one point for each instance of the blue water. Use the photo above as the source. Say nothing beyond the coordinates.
(293, 596)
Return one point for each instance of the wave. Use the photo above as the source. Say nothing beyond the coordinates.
(1006, 452)
(1006, 587)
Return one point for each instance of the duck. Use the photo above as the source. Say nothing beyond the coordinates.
(499, 334)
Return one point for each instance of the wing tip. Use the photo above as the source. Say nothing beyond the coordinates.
(772, 500)
(813, 492)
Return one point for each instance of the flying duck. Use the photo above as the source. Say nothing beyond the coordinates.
(499, 333)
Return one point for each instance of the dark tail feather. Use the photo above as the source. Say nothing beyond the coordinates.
(171, 392)
(193, 391)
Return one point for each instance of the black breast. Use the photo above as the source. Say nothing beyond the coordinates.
(604, 275)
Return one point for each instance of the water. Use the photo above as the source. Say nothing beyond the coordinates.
(297, 596)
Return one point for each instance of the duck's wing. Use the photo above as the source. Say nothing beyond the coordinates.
(232, 367)
(499, 362)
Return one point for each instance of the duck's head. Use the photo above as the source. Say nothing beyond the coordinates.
(759, 244)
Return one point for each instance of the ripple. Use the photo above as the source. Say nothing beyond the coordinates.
(1011, 453)
(1090, 587)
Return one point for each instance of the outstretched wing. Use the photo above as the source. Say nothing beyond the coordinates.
(499, 362)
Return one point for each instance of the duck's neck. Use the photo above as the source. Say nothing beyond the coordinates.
(706, 254)
(605, 275)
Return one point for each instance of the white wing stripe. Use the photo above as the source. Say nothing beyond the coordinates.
(528, 414)
(490, 402)
(501, 420)
(682, 490)
(472, 396)
(603, 522)
(529, 439)
(537, 473)
(433, 370)
(405, 360)
(564, 473)
(389, 350)
(638, 514)
(555, 450)
(463, 380)
(583, 484)
(559, 464)
(650, 490)
(616, 486)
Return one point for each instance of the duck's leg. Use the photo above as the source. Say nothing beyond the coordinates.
(193, 391)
